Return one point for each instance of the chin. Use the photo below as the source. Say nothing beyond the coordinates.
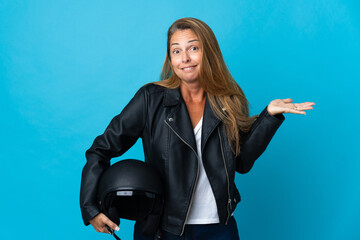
(189, 79)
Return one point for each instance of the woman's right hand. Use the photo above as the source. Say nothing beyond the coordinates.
(99, 222)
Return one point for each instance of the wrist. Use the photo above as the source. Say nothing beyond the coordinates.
(269, 110)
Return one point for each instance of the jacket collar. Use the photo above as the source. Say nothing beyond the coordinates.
(180, 119)
(172, 97)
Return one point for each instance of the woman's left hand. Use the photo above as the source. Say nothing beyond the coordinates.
(278, 106)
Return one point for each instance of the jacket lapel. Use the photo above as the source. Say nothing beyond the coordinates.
(210, 121)
(177, 117)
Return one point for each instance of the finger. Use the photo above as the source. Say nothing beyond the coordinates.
(306, 103)
(96, 226)
(112, 225)
(105, 230)
(309, 103)
(296, 111)
(305, 108)
(298, 106)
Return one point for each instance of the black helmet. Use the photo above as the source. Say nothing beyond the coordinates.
(132, 189)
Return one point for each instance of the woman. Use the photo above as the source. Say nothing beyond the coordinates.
(196, 130)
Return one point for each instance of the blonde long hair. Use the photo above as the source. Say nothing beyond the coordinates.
(225, 96)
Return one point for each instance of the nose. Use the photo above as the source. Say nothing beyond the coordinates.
(185, 58)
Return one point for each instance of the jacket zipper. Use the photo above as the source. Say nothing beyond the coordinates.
(197, 175)
(227, 177)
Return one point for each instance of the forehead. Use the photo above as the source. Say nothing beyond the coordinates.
(183, 37)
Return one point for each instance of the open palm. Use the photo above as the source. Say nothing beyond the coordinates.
(278, 106)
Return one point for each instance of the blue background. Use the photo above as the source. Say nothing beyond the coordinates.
(67, 67)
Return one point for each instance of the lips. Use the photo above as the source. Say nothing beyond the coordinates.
(188, 68)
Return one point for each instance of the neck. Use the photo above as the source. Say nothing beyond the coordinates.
(192, 92)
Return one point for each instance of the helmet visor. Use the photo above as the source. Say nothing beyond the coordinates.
(129, 204)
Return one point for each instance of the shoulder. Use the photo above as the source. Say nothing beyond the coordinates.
(157, 94)
(152, 89)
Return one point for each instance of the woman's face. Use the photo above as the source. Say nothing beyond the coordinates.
(185, 55)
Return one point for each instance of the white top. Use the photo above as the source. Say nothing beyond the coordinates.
(203, 209)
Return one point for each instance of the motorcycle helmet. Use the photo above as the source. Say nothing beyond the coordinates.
(132, 189)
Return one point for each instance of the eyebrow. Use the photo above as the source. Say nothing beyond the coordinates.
(194, 40)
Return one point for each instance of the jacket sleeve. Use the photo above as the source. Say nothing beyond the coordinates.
(122, 133)
(257, 139)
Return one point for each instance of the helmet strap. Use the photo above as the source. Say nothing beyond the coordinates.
(112, 232)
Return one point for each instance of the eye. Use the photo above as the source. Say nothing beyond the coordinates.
(175, 51)
(194, 48)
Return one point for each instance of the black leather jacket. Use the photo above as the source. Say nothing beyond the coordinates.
(159, 116)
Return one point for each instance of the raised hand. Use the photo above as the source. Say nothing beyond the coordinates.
(278, 106)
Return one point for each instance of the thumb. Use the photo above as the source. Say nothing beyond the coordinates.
(288, 100)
